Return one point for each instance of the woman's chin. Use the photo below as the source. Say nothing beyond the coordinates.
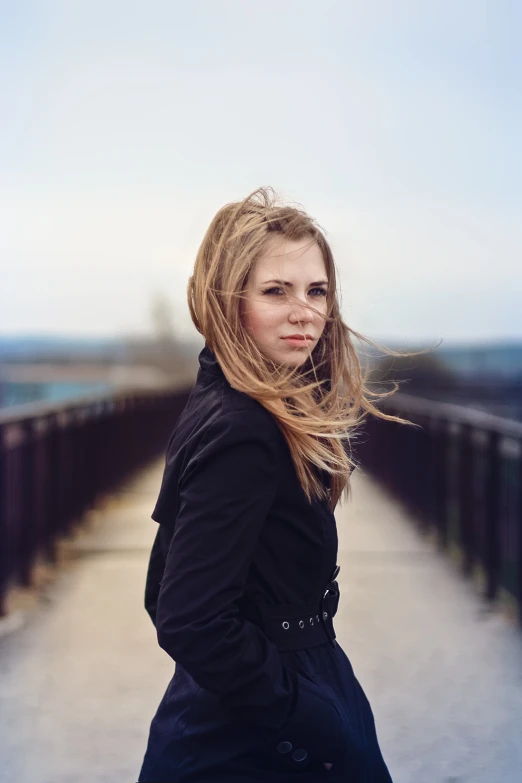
(295, 357)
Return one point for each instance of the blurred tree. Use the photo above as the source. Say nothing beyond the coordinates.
(163, 349)
(163, 317)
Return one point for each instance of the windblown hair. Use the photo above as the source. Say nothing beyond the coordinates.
(318, 406)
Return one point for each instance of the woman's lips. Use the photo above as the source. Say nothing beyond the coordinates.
(299, 340)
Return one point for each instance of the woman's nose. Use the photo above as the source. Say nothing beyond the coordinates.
(300, 312)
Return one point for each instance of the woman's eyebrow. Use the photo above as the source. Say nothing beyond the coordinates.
(290, 285)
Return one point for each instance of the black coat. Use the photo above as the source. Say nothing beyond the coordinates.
(236, 531)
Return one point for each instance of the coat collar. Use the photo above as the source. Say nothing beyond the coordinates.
(209, 363)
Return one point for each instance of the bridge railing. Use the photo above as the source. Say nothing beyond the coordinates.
(57, 459)
(460, 474)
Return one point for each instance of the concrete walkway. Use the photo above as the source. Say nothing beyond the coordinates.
(81, 676)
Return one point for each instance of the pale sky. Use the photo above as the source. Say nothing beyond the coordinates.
(127, 125)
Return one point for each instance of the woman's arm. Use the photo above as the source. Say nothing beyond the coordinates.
(226, 492)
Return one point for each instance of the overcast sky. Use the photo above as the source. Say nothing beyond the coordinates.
(127, 125)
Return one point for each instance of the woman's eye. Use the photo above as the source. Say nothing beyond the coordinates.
(275, 290)
(278, 291)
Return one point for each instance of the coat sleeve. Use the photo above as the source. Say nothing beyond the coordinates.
(225, 494)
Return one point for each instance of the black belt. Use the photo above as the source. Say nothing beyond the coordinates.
(296, 626)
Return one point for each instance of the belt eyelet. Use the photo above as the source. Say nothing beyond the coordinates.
(301, 624)
(325, 615)
(285, 625)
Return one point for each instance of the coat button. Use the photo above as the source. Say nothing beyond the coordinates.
(299, 755)
(284, 747)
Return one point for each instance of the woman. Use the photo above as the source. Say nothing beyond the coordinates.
(242, 578)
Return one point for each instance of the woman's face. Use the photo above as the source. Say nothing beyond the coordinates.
(285, 301)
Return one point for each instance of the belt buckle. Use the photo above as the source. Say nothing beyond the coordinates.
(330, 590)
(331, 587)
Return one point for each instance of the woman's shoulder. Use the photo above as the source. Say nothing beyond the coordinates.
(216, 412)
(242, 404)
(216, 402)
(240, 414)
(219, 426)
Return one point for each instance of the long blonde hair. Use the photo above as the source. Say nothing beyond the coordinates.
(319, 406)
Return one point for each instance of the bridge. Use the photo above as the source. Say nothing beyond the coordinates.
(429, 548)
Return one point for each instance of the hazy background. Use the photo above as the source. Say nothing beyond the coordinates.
(126, 126)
